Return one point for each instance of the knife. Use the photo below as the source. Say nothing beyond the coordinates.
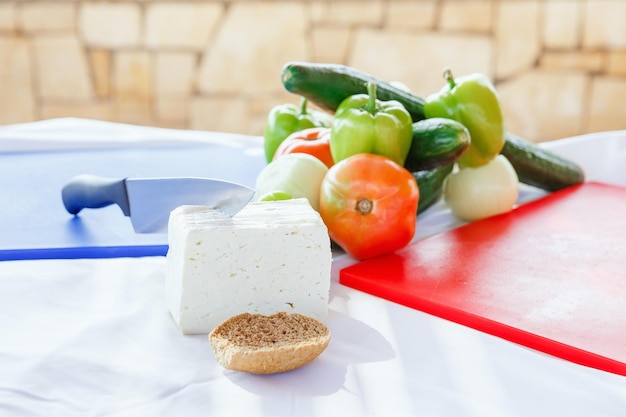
(149, 201)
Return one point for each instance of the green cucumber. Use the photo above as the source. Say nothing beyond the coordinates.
(430, 184)
(540, 167)
(436, 142)
(327, 85)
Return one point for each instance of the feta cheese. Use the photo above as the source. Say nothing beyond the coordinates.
(271, 256)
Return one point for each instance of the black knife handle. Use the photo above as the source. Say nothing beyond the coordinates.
(91, 191)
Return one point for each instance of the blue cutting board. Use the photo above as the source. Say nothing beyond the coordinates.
(35, 225)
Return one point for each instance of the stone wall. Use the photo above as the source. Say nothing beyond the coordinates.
(559, 65)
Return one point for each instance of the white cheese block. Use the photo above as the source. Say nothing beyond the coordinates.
(271, 256)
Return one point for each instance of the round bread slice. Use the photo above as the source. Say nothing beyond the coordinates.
(262, 344)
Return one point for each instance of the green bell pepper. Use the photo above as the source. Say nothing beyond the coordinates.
(471, 100)
(286, 119)
(364, 124)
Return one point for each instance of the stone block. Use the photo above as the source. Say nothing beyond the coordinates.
(606, 111)
(260, 106)
(561, 23)
(340, 12)
(518, 43)
(43, 16)
(132, 72)
(7, 17)
(617, 63)
(244, 61)
(17, 100)
(110, 25)
(374, 50)
(174, 73)
(317, 10)
(173, 109)
(256, 124)
(62, 70)
(181, 25)
(222, 114)
(468, 15)
(100, 61)
(133, 112)
(330, 44)
(88, 110)
(132, 89)
(411, 14)
(604, 24)
(544, 105)
(587, 61)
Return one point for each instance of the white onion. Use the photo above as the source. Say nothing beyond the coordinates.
(298, 175)
(477, 193)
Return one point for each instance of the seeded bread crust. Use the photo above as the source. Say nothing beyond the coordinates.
(261, 344)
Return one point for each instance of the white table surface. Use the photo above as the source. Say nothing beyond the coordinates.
(92, 337)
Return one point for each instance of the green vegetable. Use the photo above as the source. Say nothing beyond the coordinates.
(286, 119)
(471, 100)
(327, 85)
(275, 196)
(363, 124)
(540, 167)
(430, 183)
(436, 142)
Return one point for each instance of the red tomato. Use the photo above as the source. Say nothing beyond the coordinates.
(368, 203)
(314, 141)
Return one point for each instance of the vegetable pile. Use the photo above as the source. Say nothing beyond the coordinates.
(376, 155)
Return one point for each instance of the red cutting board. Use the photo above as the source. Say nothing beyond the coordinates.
(550, 275)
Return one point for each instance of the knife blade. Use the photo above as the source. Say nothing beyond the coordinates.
(149, 201)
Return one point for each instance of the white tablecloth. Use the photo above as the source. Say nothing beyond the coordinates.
(92, 337)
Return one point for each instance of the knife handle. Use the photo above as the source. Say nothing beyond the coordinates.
(91, 191)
